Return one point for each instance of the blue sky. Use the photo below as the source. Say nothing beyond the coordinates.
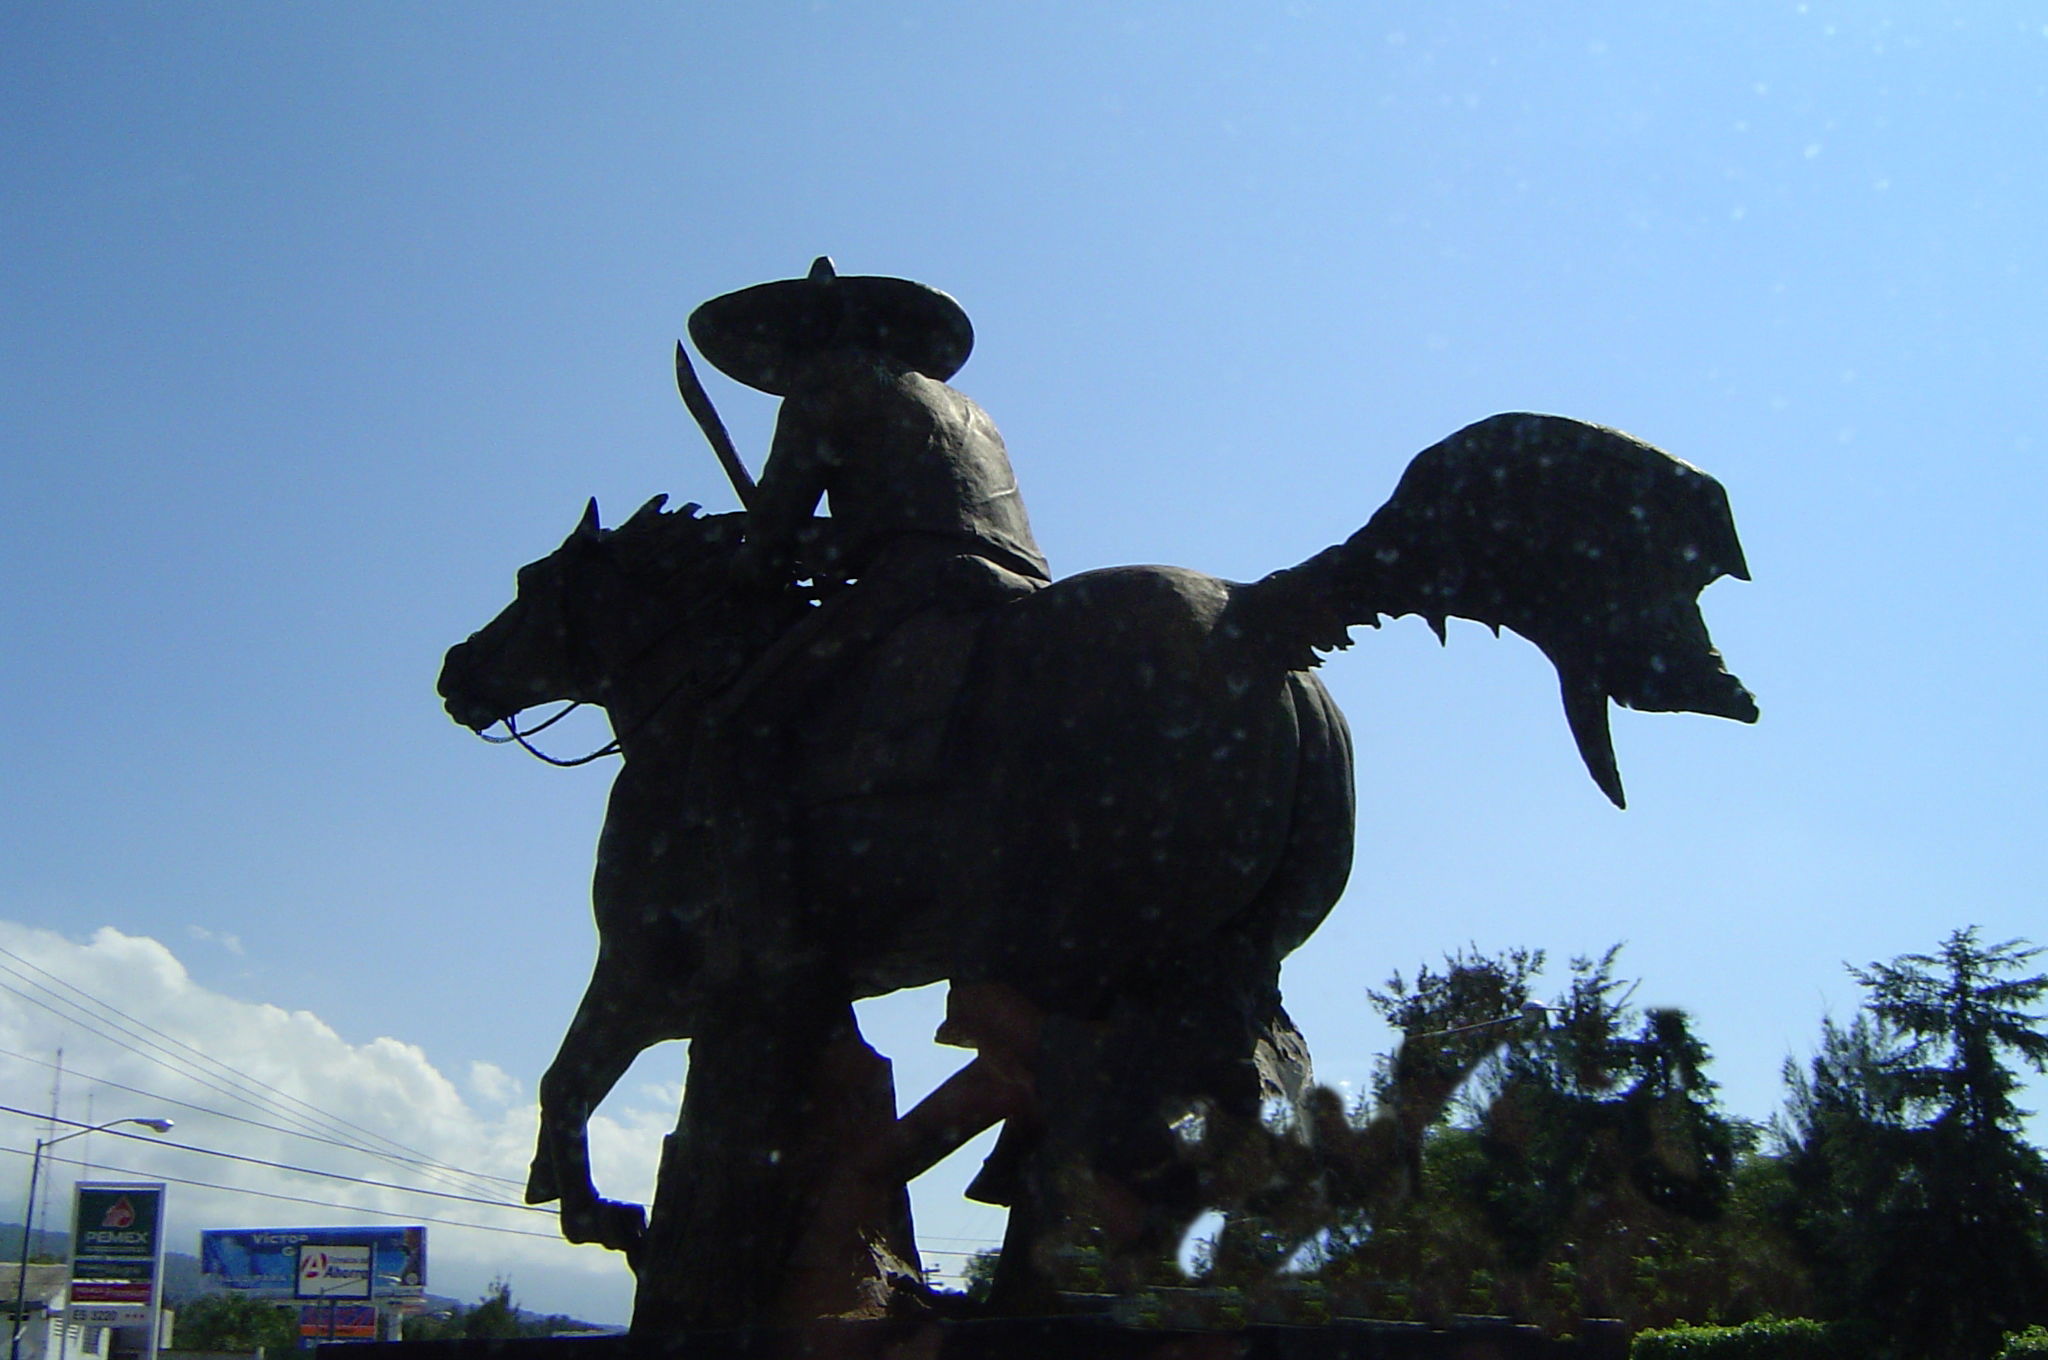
(321, 320)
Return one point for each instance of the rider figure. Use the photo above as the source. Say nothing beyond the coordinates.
(925, 515)
(925, 508)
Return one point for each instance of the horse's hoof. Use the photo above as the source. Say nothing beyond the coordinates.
(540, 1182)
(624, 1227)
(608, 1223)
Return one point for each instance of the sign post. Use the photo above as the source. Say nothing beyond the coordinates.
(117, 1257)
(335, 1271)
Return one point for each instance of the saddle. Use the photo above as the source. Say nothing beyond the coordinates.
(886, 724)
(885, 728)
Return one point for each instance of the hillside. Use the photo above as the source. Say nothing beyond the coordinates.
(181, 1270)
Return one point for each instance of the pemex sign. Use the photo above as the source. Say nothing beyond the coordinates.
(116, 1253)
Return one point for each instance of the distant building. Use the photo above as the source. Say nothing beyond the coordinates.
(46, 1336)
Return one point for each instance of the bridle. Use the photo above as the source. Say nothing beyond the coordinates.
(512, 734)
(682, 617)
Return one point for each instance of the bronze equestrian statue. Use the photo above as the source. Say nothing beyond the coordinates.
(1104, 809)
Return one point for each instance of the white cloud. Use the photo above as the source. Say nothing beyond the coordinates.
(493, 1083)
(247, 1078)
(662, 1094)
(229, 942)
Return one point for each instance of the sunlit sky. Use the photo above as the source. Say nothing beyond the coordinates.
(320, 320)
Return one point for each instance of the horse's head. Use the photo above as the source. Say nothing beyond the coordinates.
(595, 613)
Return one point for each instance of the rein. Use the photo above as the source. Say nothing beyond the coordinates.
(513, 734)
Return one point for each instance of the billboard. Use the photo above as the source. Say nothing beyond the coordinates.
(387, 1262)
(334, 1271)
(338, 1322)
(116, 1253)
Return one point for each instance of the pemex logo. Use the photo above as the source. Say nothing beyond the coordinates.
(120, 1214)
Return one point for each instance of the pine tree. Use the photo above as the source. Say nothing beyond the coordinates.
(1607, 1113)
(1918, 1198)
(1592, 1153)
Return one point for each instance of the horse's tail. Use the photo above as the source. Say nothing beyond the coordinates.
(1590, 543)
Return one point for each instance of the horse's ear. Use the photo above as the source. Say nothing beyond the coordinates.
(689, 510)
(587, 527)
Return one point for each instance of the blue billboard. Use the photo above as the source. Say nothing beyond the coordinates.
(265, 1261)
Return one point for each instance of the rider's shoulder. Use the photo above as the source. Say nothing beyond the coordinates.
(853, 383)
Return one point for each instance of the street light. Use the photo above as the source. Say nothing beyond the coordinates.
(28, 1213)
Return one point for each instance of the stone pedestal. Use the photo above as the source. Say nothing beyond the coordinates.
(1066, 1338)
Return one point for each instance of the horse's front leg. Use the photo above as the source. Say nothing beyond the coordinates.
(648, 951)
(607, 1034)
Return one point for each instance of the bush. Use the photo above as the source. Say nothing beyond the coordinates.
(1766, 1339)
(2028, 1345)
(236, 1322)
(980, 1275)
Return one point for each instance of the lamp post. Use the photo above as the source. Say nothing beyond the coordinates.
(28, 1213)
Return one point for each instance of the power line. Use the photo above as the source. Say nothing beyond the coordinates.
(166, 1060)
(272, 1194)
(172, 1062)
(379, 1213)
(257, 1123)
(198, 1053)
(403, 1189)
(182, 1066)
(357, 1208)
(193, 1076)
(287, 1166)
(195, 1052)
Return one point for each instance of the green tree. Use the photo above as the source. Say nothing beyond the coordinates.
(1448, 1018)
(493, 1317)
(236, 1322)
(1607, 1112)
(980, 1274)
(1587, 1173)
(1957, 1015)
(1919, 1200)
(1844, 1135)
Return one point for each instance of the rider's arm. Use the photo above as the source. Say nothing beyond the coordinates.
(792, 483)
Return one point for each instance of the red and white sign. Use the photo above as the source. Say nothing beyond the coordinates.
(117, 1253)
(338, 1321)
(334, 1271)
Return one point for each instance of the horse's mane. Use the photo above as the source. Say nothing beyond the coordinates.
(679, 562)
(658, 545)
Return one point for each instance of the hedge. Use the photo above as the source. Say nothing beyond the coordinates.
(2032, 1344)
(1769, 1339)
(1788, 1339)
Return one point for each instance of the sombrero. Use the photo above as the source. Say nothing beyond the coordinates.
(763, 335)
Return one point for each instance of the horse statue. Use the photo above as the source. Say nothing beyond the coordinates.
(1133, 804)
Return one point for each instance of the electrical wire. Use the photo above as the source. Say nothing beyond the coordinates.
(252, 1123)
(195, 1052)
(272, 1194)
(170, 1061)
(165, 1060)
(360, 1209)
(282, 1166)
(181, 1066)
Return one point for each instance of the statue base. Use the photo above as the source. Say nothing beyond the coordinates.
(1069, 1338)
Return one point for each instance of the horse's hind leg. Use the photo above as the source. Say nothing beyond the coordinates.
(1076, 1206)
(1110, 1191)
